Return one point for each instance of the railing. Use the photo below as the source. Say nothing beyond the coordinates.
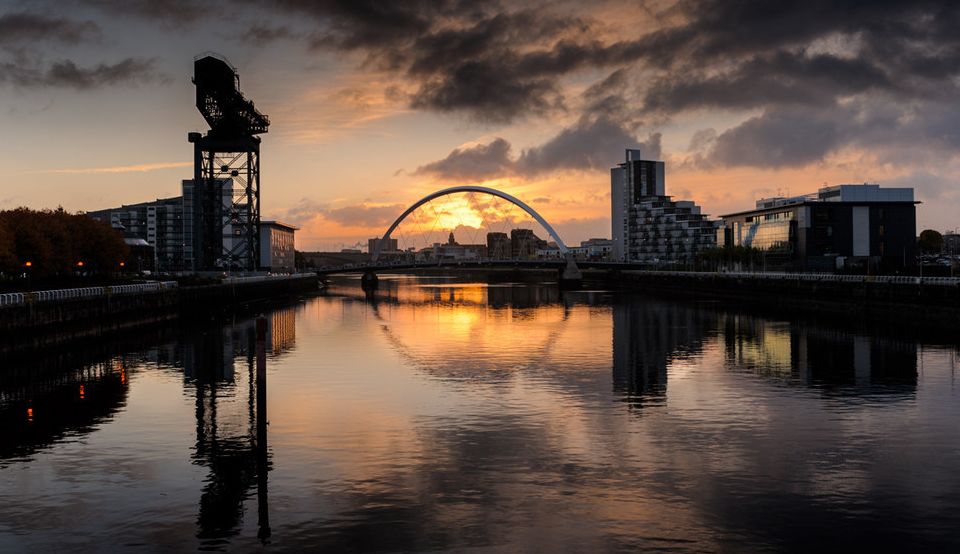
(20, 298)
(824, 277)
(263, 278)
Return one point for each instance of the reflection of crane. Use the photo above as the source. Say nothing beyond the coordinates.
(237, 462)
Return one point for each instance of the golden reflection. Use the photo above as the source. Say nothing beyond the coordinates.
(283, 330)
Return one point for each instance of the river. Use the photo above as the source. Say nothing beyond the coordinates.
(448, 415)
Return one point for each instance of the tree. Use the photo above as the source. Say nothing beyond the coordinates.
(931, 242)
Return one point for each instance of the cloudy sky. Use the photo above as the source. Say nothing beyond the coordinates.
(375, 104)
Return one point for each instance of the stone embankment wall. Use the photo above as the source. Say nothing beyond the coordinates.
(34, 323)
(927, 300)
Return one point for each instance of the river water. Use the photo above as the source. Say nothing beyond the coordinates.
(446, 415)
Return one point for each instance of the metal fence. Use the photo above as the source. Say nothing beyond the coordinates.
(824, 277)
(20, 298)
(264, 278)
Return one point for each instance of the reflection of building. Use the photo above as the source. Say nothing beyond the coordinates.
(836, 226)
(647, 225)
(276, 246)
(282, 330)
(56, 402)
(646, 337)
(498, 246)
(524, 244)
(815, 355)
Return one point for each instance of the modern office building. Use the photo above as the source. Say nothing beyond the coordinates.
(649, 226)
(277, 246)
(843, 226)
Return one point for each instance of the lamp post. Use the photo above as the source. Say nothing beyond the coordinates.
(28, 269)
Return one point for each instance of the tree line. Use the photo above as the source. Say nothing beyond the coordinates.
(55, 243)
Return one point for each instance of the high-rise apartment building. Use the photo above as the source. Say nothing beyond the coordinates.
(646, 224)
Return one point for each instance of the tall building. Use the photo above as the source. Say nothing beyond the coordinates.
(835, 227)
(498, 246)
(168, 224)
(646, 224)
(232, 249)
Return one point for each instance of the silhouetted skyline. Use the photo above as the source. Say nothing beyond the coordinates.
(373, 105)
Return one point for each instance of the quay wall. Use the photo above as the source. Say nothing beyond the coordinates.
(910, 299)
(33, 323)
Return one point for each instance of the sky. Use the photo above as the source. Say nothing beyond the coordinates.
(373, 105)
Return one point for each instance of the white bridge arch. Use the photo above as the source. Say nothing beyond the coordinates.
(375, 255)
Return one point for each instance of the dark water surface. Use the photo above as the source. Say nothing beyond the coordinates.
(445, 415)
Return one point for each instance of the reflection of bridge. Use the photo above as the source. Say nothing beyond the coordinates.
(569, 272)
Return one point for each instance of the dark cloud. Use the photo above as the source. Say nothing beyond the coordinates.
(473, 163)
(29, 27)
(168, 12)
(67, 74)
(776, 139)
(260, 34)
(591, 143)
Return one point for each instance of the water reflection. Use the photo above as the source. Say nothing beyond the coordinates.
(231, 436)
(647, 337)
(39, 408)
(830, 359)
(439, 415)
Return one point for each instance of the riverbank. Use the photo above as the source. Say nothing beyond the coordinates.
(910, 300)
(47, 318)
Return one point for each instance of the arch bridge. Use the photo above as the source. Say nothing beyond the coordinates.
(569, 274)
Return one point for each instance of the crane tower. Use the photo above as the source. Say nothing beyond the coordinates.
(225, 199)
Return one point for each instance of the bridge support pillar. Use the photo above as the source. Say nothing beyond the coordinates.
(570, 276)
(369, 280)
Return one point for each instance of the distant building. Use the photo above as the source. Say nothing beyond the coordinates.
(838, 226)
(390, 246)
(167, 225)
(159, 224)
(498, 246)
(277, 246)
(524, 244)
(951, 243)
(454, 251)
(647, 225)
(593, 249)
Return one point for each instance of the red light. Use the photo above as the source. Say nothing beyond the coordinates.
(28, 264)
(29, 414)
(79, 264)
(82, 391)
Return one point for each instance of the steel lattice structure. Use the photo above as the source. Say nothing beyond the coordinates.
(226, 175)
